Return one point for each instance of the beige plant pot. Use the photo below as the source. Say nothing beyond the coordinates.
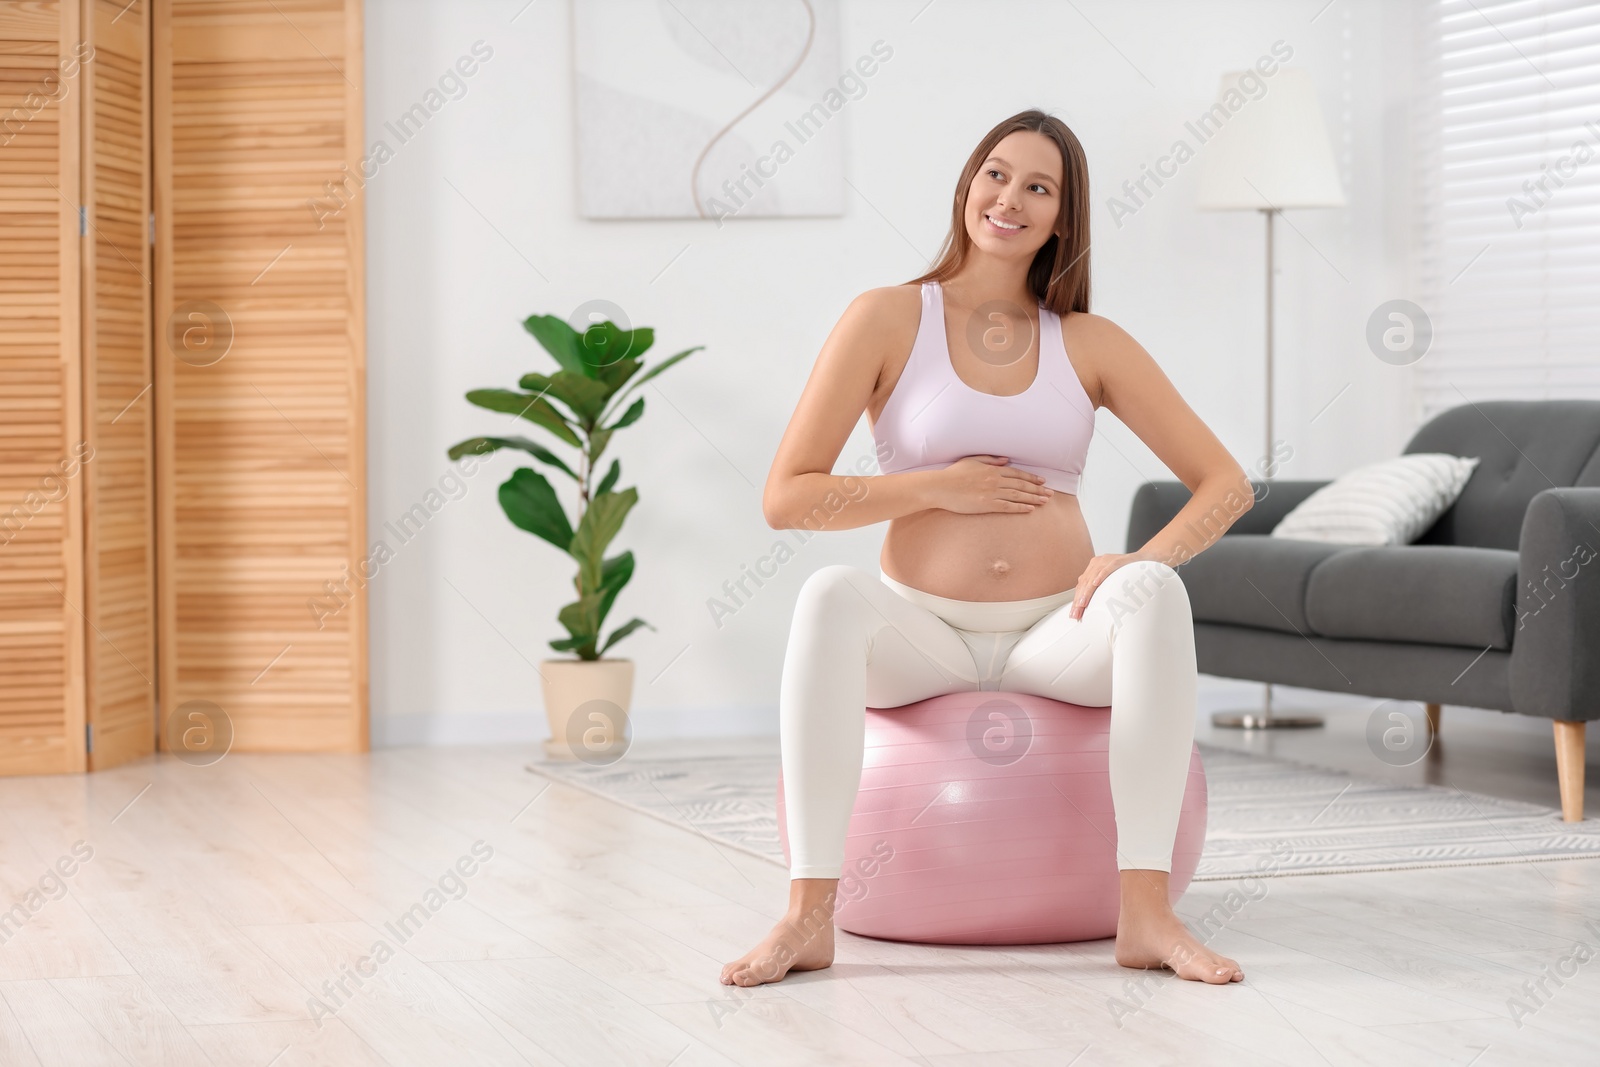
(587, 702)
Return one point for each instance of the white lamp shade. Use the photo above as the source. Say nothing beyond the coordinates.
(1267, 146)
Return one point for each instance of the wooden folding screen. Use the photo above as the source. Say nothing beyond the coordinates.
(181, 433)
(42, 682)
(119, 534)
(259, 381)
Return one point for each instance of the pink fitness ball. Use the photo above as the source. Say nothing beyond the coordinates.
(985, 818)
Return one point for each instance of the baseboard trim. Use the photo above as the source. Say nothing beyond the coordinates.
(488, 728)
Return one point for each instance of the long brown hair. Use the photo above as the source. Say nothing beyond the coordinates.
(1059, 274)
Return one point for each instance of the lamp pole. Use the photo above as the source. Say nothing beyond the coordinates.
(1266, 471)
(1246, 720)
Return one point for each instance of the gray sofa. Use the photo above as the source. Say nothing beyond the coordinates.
(1497, 605)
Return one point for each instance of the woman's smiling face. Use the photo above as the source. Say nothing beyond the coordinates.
(1014, 201)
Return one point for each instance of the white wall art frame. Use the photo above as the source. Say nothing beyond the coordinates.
(711, 109)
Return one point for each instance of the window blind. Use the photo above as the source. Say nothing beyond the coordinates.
(1508, 200)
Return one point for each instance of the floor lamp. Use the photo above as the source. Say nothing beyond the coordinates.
(1266, 150)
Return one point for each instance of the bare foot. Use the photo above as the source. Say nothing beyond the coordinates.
(801, 941)
(1150, 935)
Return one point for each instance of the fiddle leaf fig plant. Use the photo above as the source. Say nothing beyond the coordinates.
(597, 370)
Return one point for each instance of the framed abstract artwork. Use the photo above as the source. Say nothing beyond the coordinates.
(711, 109)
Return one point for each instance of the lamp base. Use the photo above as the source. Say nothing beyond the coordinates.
(1264, 719)
(1255, 720)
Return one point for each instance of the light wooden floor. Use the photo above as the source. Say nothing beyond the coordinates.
(219, 900)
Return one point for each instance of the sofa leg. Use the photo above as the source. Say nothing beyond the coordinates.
(1569, 768)
(1433, 720)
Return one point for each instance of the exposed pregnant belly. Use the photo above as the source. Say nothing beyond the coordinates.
(992, 556)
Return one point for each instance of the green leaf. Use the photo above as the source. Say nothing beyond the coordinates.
(657, 369)
(664, 364)
(606, 343)
(530, 502)
(583, 646)
(482, 446)
(614, 574)
(630, 416)
(598, 439)
(582, 617)
(559, 339)
(623, 631)
(535, 409)
(636, 342)
(585, 396)
(600, 523)
(616, 374)
(610, 479)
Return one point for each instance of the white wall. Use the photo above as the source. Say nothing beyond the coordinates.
(472, 226)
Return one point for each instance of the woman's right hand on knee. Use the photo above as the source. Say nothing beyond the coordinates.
(974, 485)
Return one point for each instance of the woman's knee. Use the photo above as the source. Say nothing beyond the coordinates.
(1147, 584)
(833, 590)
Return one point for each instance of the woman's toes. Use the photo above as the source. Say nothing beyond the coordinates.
(1225, 971)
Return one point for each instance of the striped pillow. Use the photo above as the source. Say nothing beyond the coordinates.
(1386, 503)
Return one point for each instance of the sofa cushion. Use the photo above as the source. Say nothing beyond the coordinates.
(1255, 580)
(1526, 446)
(1426, 594)
(1388, 502)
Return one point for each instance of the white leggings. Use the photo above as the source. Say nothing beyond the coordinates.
(860, 640)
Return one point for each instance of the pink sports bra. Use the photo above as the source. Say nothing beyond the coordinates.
(933, 418)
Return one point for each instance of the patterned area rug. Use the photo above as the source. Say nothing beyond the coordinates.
(1267, 816)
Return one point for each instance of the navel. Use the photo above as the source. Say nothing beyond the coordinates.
(999, 568)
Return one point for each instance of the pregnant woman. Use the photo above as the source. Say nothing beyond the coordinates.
(981, 380)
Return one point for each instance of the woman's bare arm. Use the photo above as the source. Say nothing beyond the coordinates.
(1134, 388)
(800, 489)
